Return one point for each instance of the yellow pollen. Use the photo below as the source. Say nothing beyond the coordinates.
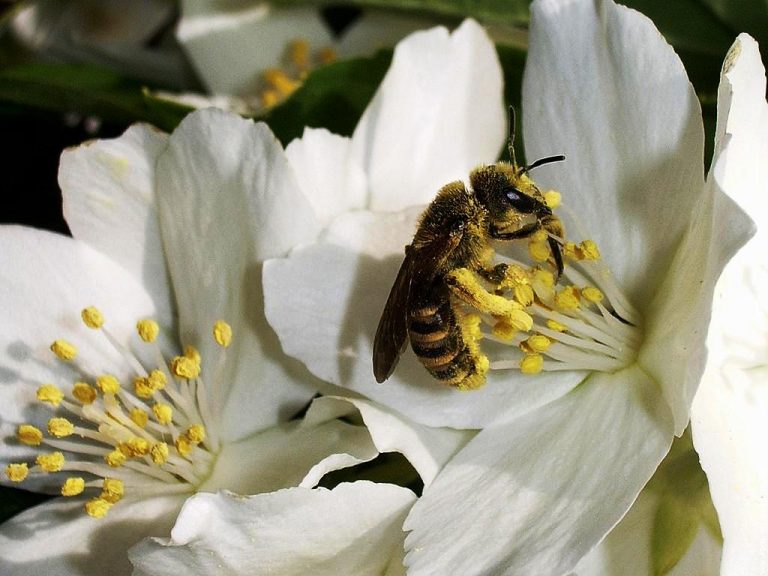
(524, 294)
(29, 435)
(544, 278)
(159, 453)
(552, 199)
(269, 98)
(17, 472)
(539, 251)
(60, 427)
(298, 53)
(142, 387)
(92, 317)
(568, 298)
(163, 413)
(97, 508)
(536, 344)
(112, 490)
(556, 326)
(84, 393)
(50, 394)
(503, 330)
(589, 250)
(185, 367)
(531, 364)
(222, 333)
(108, 384)
(519, 320)
(539, 236)
(570, 251)
(52, 462)
(280, 81)
(139, 416)
(195, 433)
(134, 447)
(183, 445)
(192, 353)
(73, 486)
(64, 350)
(327, 55)
(148, 329)
(115, 459)
(592, 294)
(471, 326)
(157, 379)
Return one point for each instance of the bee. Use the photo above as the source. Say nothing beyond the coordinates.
(453, 243)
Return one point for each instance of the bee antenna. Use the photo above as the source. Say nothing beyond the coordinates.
(542, 161)
(511, 141)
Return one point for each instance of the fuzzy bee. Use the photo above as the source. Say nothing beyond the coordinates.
(439, 277)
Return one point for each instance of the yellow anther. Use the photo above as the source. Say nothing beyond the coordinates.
(159, 453)
(539, 236)
(503, 330)
(64, 350)
(568, 298)
(115, 459)
(192, 353)
(60, 427)
(97, 508)
(134, 447)
(327, 55)
(589, 250)
(17, 472)
(108, 384)
(148, 329)
(73, 486)
(157, 379)
(539, 251)
(142, 387)
(592, 294)
(570, 250)
(523, 294)
(298, 53)
(556, 326)
(531, 364)
(92, 317)
(195, 433)
(544, 278)
(29, 435)
(222, 333)
(139, 416)
(52, 462)
(163, 413)
(112, 490)
(519, 320)
(269, 98)
(50, 394)
(84, 393)
(280, 81)
(552, 199)
(183, 445)
(536, 344)
(186, 368)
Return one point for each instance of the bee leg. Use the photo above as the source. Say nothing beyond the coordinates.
(465, 285)
(524, 232)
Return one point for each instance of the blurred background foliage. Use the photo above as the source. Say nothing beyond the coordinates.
(69, 71)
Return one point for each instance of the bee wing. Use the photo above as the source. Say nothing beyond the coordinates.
(417, 271)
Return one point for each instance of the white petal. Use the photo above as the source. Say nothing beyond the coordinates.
(58, 537)
(730, 411)
(541, 490)
(437, 114)
(343, 290)
(331, 180)
(289, 455)
(353, 529)
(45, 282)
(231, 47)
(427, 449)
(677, 320)
(109, 202)
(223, 209)
(603, 87)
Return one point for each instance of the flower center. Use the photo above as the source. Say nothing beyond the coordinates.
(582, 322)
(297, 61)
(157, 435)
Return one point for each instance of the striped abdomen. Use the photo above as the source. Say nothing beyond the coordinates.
(437, 340)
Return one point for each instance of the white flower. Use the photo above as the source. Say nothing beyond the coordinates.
(256, 54)
(563, 454)
(173, 229)
(730, 412)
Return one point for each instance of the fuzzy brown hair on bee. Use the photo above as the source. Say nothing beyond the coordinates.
(439, 281)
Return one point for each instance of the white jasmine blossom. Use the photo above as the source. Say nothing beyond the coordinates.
(562, 454)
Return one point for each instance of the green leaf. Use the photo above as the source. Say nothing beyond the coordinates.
(87, 90)
(674, 528)
(332, 97)
(491, 11)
